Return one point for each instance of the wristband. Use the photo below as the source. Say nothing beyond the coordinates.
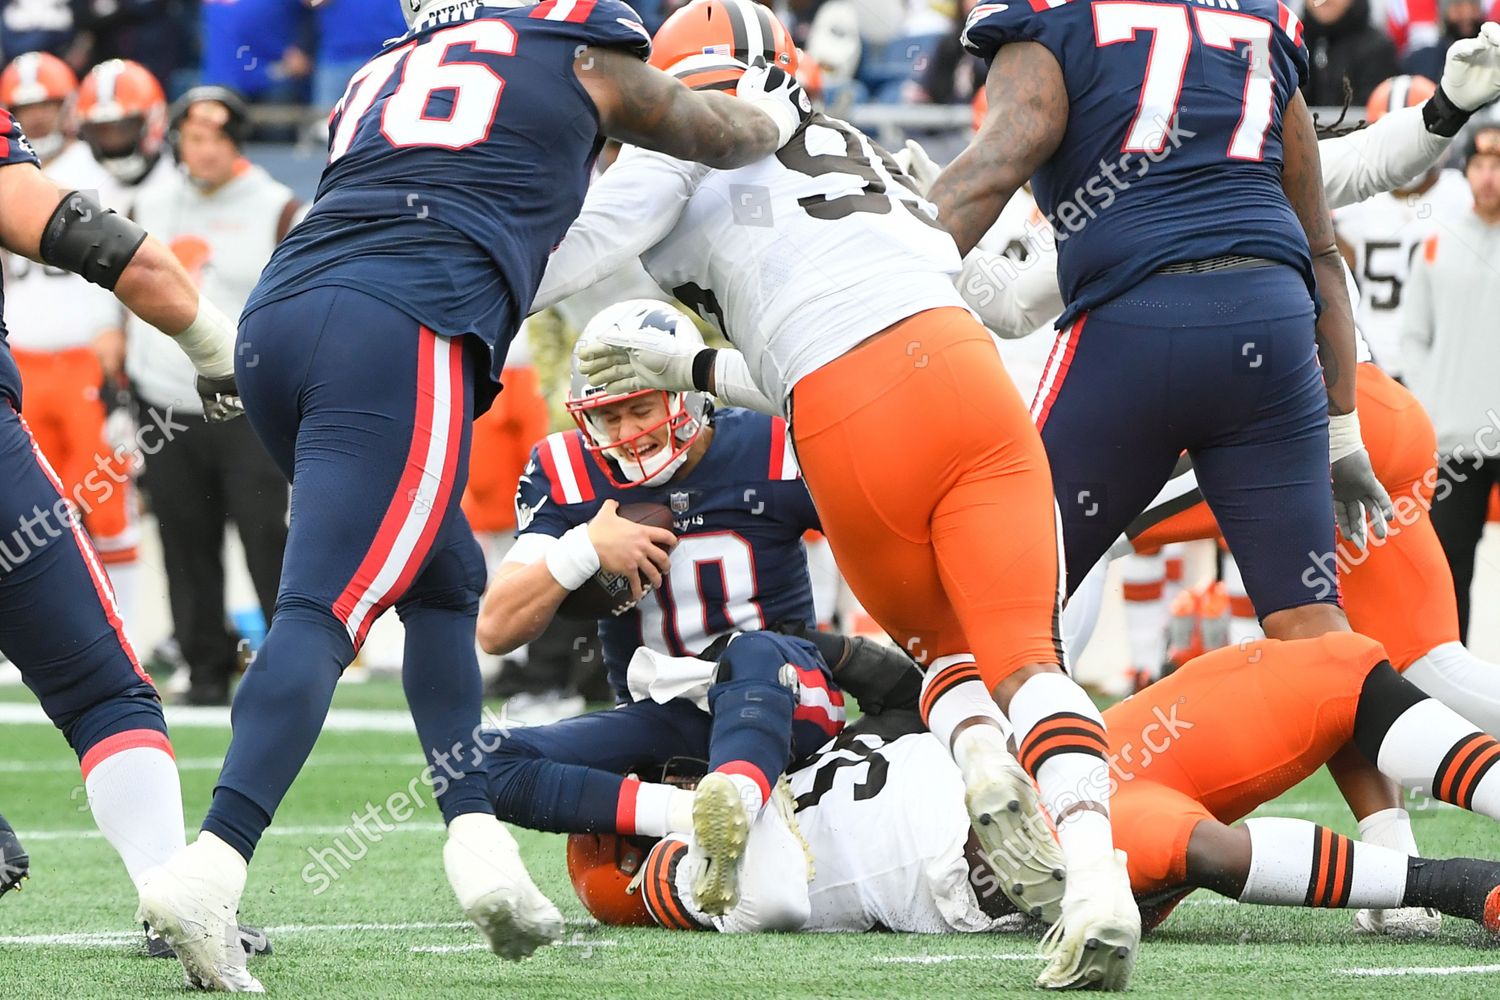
(573, 559)
(703, 366)
(1343, 436)
(209, 341)
(1443, 117)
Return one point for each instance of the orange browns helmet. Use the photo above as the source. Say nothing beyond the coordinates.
(122, 112)
(34, 78)
(602, 866)
(1398, 92)
(727, 33)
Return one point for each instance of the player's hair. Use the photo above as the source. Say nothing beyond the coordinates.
(1336, 128)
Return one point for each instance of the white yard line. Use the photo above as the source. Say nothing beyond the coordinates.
(327, 830)
(941, 959)
(352, 720)
(96, 939)
(1421, 970)
(65, 763)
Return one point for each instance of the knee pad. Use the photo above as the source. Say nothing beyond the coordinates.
(765, 657)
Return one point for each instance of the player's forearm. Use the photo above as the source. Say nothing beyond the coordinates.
(517, 607)
(969, 194)
(155, 287)
(716, 130)
(1335, 331)
(1392, 152)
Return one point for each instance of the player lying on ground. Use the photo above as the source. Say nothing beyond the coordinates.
(375, 335)
(733, 559)
(59, 623)
(1227, 733)
(828, 270)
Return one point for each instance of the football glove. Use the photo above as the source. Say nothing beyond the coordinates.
(778, 94)
(916, 164)
(221, 399)
(1356, 490)
(1471, 79)
(628, 361)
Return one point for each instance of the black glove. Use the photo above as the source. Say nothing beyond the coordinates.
(221, 399)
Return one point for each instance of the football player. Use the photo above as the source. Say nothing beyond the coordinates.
(457, 158)
(59, 623)
(1200, 750)
(829, 272)
(734, 562)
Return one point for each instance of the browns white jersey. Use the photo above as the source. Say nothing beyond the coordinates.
(886, 825)
(1384, 232)
(796, 258)
(48, 309)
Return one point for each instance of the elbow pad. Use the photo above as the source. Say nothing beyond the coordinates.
(84, 237)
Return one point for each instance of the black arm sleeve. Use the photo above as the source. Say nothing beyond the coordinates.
(84, 237)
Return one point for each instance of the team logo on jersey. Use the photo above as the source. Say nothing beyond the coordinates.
(678, 502)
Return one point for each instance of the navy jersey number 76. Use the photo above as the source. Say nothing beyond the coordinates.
(1173, 145)
(458, 157)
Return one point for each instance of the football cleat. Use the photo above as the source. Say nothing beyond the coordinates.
(1399, 922)
(191, 902)
(485, 869)
(1015, 836)
(785, 805)
(720, 828)
(15, 866)
(1094, 945)
(253, 940)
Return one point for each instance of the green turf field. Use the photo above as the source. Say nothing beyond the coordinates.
(388, 927)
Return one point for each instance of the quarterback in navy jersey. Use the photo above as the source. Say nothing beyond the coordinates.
(457, 158)
(697, 668)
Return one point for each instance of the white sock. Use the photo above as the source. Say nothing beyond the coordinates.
(125, 581)
(750, 793)
(1145, 584)
(136, 799)
(1063, 747)
(1297, 863)
(659, 809)
(1462, 681)
(1433, 748)
(952, 694)
(1390, 828)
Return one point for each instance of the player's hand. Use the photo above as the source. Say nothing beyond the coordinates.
(629, 361)
(1471, 73)
(221, 399)
(777, 93)
(916, 164)
(638, 552)
(1356, 492)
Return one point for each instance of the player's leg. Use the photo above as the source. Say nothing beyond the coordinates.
(15, 866)
(773, 702)
(60, 626)
(1459, 516)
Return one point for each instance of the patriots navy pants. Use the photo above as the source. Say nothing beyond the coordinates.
(58, 621)
(1223, 366)
(368, 413)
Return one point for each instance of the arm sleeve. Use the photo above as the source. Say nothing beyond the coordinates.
(733, 384)
(629, 209)
(1416, 312)
(1391, 152)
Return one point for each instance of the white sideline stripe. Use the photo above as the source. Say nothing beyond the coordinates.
(1419, 970)
(96, 938)
(214, 763)
(448, 949)
(328, 830)
(349, 720)
(940, 959)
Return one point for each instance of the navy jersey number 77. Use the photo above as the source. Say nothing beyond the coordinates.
(1172, 151)
(458, 157)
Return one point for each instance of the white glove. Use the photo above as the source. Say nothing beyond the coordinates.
(778, 94)
(916, 164)
(1471, 74)
(628, 361)
(1356, 490)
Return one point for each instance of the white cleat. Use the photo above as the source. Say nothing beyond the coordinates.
(721, 826)
(786, 809)
(1400, 922)
(1094, 946)
(489, 878)
(191, 901)
(1015, 836)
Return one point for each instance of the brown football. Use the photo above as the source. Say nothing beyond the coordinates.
(604, 594)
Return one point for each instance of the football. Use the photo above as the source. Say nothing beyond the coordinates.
(605, 594)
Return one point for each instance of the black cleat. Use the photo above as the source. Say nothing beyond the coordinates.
(252, 939)
(15, 866)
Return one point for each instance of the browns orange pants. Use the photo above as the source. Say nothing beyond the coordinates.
(934, 492)
(66, 416)
(1399, 591)
(1229, 731)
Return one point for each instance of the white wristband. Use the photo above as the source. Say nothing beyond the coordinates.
(1343, 435)
(573, 559)
(209, 341)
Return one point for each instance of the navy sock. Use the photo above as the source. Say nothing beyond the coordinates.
(446, 696)
(278, 712)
